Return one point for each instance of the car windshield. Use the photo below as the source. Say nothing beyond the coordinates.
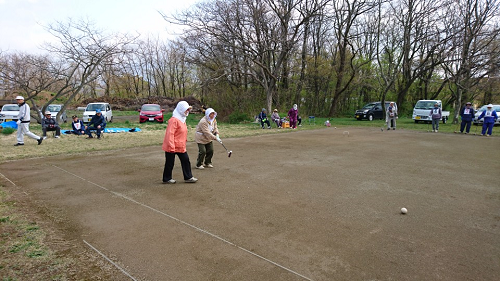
(368, 106)
(483, 108)
(93, 107)
(425, 105)
(151, 107)
(54, 108)
(8, 107)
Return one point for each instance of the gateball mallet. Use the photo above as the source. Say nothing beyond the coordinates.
(228, 152)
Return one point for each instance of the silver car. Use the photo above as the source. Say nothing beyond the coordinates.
(54, 110)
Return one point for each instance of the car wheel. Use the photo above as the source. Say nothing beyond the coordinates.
(111, 120)
(416, 121)
(370, 117)
(444, 120)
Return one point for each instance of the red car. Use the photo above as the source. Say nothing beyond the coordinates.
(151, 112)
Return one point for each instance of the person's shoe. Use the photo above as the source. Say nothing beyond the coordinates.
(388, 129)
(436, 131)
(44, 137)
(90, 137)
(263, 127)
(170, 181)
(488, 135)
(98, 137)
(40, 141)
(57, 137)
(482, 134)
(200, 167)
(191, 180)
(393, 128)
(18, 144)
(209, 166)
(269, 127)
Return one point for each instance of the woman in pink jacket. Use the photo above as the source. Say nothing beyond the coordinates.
(175, 143)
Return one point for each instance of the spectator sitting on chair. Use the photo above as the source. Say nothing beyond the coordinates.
(77, 125)
(263, 119)
(96, 123)
(50, 124)
(276, 118)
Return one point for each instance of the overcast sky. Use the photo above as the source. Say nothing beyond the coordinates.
(22, 21)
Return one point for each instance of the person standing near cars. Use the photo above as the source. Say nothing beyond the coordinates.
(23, 123)
(467, 115)
(436, 117)
(490, 116)
(174, 143)
(206, 132)
(391, 114)
(50, 124)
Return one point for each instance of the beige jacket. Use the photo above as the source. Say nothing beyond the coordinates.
(203, 135)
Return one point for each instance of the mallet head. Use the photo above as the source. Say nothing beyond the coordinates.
(229, 153)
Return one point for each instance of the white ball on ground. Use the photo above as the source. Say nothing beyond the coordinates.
(404, 211)
(335, 127)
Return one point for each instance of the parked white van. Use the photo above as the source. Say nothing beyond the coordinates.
(9, 113)
(106, 111)
(422, 109)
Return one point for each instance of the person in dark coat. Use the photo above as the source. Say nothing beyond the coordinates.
(50, 124)
(263, 119)
(467, 115)
(96, 123)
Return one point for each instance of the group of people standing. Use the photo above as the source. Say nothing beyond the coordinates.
(292, 116)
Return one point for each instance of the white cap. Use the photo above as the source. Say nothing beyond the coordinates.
(489, 105)
(19, 98)
(47, 112)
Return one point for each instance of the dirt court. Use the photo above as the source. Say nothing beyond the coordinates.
(308, 205)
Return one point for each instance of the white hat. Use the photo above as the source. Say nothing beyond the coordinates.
(489, 105)
(19, 98)
(47, 112)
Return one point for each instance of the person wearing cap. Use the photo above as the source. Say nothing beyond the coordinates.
(276, 118)
(174, 143)
(77, 126)
(490, 116)
(50, 124)
(436, 117)
(97, 123)
(263, 119)
(206, 133)
(23, 123)
(467, 115)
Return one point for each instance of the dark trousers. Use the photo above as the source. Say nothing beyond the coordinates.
(265, 121)
(57, 129)
(89, 128)
(205, 153)
(169, 165)
(466, 125)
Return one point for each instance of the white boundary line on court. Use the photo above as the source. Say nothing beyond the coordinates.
(108, 259)
(188, 224)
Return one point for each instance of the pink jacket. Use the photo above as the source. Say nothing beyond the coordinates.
(175, 136)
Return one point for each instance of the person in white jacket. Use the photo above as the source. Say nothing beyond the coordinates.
(206, 132)
(23, 123)
(391, 115)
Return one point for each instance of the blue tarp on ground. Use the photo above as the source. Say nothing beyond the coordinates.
(9, 124)
(111, 130)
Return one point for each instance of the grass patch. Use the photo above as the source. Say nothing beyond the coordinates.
(152, 134)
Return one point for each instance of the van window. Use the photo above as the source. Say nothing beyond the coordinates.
(8, 107)
(54, 108)
(93, 107)
(425, 105)
(369, 106)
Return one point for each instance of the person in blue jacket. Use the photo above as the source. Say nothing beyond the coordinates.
(263, 119)
(467, 115)
(96, 123)
(490, 116)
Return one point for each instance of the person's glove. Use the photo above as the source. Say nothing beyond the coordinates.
(218, 138)
(18, 122)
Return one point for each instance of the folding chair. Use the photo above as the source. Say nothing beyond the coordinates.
(312, 119)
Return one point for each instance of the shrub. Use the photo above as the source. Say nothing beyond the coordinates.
(7, 131)
(237, 117)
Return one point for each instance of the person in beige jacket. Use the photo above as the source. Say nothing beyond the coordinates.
(206, 132)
